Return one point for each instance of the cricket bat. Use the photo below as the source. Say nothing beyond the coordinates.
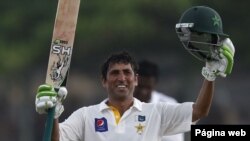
(61, 51)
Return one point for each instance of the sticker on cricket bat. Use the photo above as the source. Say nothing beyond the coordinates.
(61, 64)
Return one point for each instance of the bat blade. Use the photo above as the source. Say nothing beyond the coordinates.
(62, 41)
(61, 51)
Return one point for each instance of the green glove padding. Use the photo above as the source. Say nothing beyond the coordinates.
(47, 98)
(224, 65)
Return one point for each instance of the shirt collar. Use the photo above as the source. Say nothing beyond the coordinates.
(136, 104)
(103, 105)
(153, 98)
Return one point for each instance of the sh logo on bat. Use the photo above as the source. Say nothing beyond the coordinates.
(61, 63)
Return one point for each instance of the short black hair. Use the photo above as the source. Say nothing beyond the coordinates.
(118, 57)
(148, 69)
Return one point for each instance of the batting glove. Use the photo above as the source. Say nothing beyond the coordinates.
(224, 65)
(47, 97)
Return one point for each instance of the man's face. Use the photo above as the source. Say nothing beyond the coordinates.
(121, 81)
(144, 88)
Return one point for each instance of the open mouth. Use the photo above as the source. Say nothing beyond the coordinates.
(121, 87)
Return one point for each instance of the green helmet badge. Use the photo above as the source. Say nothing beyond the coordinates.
(216, 20)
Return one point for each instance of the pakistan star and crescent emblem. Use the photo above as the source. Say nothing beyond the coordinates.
(139, 128)
(216, 20)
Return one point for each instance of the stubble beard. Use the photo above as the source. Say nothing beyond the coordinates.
(121, 96)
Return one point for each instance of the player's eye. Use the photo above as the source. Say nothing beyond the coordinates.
(127, 72)
(114, 72)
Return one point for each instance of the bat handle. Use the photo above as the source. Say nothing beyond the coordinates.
(49, 124)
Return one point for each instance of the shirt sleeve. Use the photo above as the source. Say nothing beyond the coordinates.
(176, 117)
(73, 128)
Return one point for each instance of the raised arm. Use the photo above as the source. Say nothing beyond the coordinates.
(55, 131)
(203, 102)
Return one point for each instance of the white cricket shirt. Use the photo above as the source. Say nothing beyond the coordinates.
(142, 122)
(160, 97)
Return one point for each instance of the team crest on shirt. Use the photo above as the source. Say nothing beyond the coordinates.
(139, 128)
(101, 124)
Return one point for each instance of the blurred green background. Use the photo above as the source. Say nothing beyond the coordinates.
(146, 28)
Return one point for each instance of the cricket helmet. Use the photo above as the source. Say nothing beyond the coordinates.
(200, 30)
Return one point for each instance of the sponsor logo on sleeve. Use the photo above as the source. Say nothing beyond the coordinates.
(141, 118)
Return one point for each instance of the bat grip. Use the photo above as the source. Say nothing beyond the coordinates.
(49, 124)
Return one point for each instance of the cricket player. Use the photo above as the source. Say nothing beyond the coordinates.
(145, 91)
(121, 117)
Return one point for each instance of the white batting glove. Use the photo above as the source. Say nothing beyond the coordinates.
(224, 65)
(47, 97)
